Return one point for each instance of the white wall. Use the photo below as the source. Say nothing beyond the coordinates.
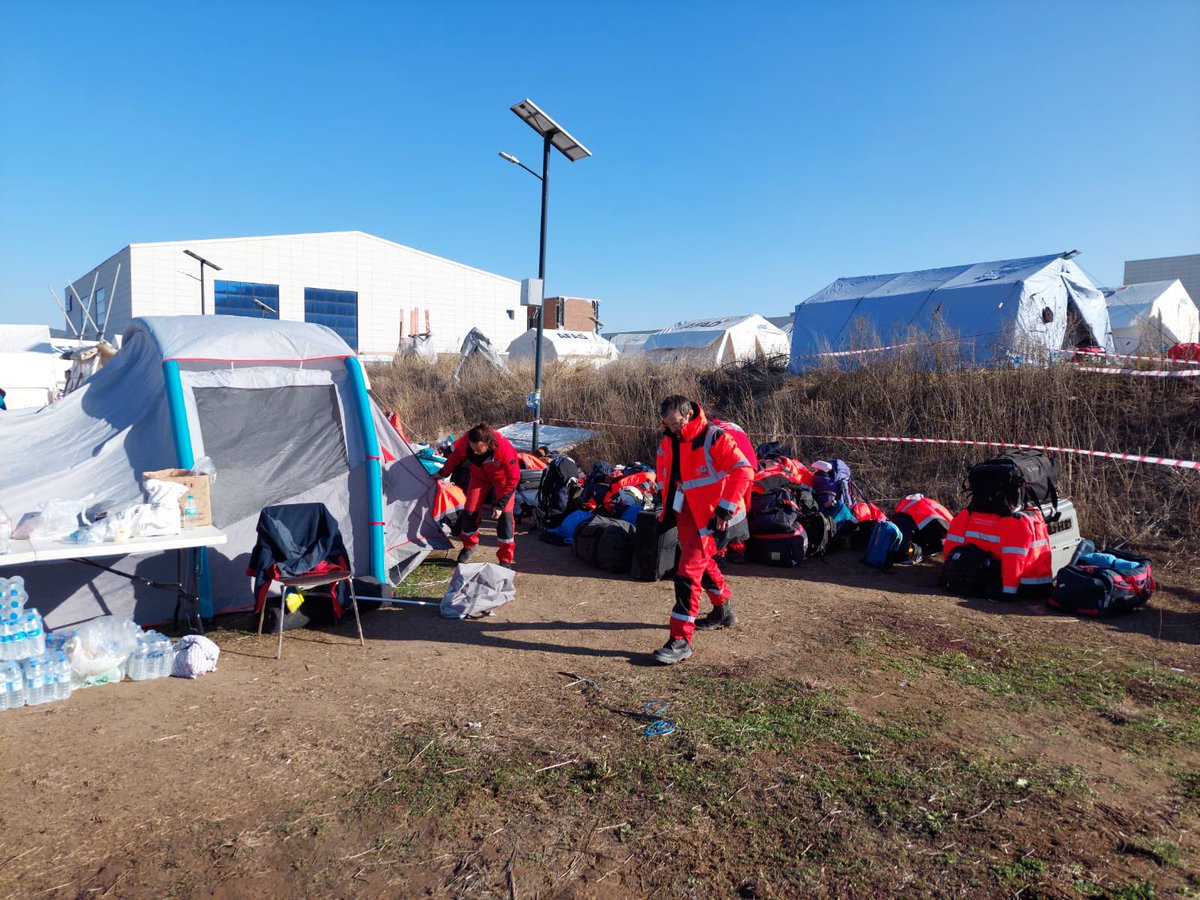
(390, 280)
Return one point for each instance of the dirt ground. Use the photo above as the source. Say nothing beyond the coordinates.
(296, 777)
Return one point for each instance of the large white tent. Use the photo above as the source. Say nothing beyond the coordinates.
(282, 411)
(629, 343)
(561, 345)
(1007, 310)
(1150, 317)
(717, 341)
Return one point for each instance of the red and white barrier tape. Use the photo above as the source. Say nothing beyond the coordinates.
(1145, 373)
(829, 353)
(1081, 354)
(1129, 457)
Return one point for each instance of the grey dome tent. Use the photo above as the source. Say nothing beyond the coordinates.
(1008, 310)
(281, 408)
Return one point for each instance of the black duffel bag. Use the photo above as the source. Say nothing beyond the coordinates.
(605, 543)
(1013, 480)
(775, 512)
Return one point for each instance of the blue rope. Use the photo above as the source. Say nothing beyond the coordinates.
(660, 726)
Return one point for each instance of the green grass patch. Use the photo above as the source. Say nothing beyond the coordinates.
(428, 581)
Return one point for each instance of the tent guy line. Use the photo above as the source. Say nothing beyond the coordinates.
(1130, 457)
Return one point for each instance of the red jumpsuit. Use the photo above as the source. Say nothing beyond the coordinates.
(1019, 541)
(713, 473)
(497, 468)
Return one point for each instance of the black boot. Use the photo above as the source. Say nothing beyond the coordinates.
(721, 616)
(673, 651)
(465, 554)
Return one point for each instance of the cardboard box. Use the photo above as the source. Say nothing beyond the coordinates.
(199, 486)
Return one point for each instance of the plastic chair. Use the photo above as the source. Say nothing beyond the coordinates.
(300, 547)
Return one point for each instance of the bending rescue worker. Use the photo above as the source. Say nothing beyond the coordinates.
(493, 465)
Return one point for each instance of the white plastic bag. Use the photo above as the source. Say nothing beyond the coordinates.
(100, 645)
(194, 655)
(477, 588)
(54, 520)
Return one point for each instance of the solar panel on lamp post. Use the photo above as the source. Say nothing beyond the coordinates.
(203, 262)
(552, 135)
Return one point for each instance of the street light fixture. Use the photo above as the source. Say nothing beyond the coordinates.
(552, 135)
(203, 262)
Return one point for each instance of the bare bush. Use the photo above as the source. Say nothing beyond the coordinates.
(921, 391)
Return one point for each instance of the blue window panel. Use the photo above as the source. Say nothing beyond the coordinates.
(337, 310)
(236, 298)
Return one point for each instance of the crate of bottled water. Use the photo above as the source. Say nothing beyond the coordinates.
(47, 678)
(153, 657)
(12, 685)
(23, 638)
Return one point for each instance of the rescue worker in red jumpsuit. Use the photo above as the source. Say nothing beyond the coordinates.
(704, 479)
(493, 465)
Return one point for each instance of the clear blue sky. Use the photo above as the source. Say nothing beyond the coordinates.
(745, 154)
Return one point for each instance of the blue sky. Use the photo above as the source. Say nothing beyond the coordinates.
(745, 154)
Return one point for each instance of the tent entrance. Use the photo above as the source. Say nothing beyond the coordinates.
(289, 437)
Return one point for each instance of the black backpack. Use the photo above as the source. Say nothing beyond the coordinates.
(970, 571)
(929, 539)
(772, 450)
(819, 530)
(554, 497)
(1013, 480)
(596, 485)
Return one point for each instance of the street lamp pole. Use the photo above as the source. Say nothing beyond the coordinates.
(203, 262)
(541, 312)
(552, 135)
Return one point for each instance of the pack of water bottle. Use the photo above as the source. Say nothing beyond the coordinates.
(47, 678)
(23, 636)
(153, 657)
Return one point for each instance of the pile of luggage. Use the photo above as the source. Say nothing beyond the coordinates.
(1015, 538)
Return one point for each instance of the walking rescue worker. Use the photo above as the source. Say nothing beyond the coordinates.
(493, 464)
(704, 479)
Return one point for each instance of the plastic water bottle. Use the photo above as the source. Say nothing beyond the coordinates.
(189, 511)
(166, 657)
(12, 685)
(35, 680)
(6, 630)
(135, 665)
(61, 667)
(35, 633)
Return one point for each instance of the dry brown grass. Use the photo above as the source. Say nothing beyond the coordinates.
(917, 393)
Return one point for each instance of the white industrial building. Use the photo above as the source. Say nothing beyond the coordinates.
(371, 291)
(1166, 268)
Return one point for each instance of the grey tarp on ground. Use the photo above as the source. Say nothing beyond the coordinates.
(1000, 310)
(270, 402)
(558, 438)
(475, 588)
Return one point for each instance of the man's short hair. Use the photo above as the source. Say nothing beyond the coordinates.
(677, 403)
